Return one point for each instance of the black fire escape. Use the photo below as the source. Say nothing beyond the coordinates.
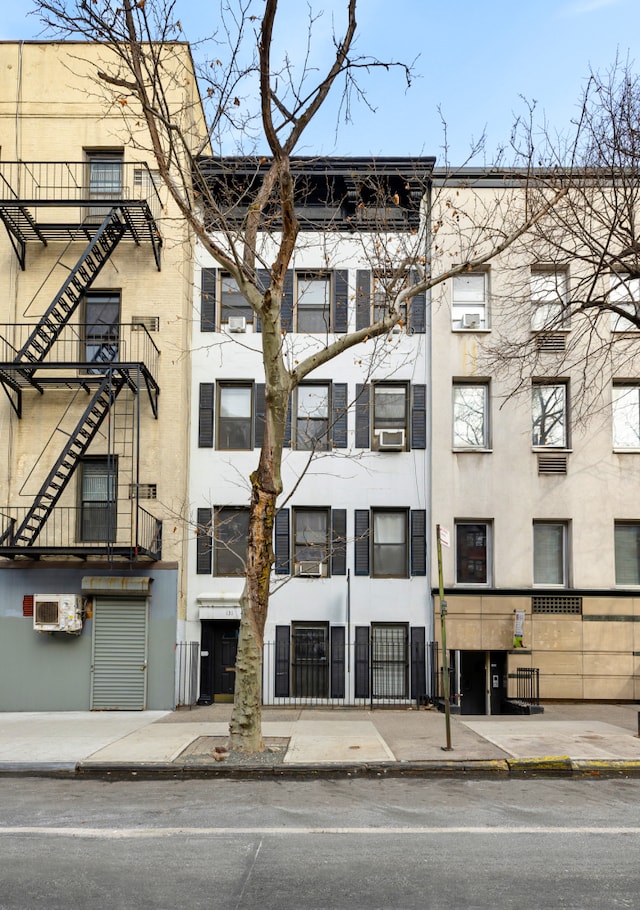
(44, 203)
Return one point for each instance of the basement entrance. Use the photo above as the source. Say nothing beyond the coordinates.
(482, 681)
(218, 653)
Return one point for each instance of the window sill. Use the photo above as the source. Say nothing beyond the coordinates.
(480, 450)
(551, 450)
(479, 331)
(627, 451)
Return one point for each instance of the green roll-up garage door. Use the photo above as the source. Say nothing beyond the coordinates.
(119, 665)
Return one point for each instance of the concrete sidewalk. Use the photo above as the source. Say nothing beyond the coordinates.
(566, 739)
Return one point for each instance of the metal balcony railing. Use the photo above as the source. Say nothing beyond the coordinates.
(125, 530)
(36, 183)
(86, 345)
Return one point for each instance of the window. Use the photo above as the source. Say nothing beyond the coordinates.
(548, 299)
(311, 541)
(627, 548)
(230, 540)
(105, 180)
(102, 326)
(470, 416)
(472, 553)
(549, 415)
(310, 670)
(626, 416)
(313, 406)
(469, 307)
(386, 287)
(235, 415)
(313, 301)
(624, 297)
(98, 484)
(390, 543)
(390, 410)
(390, 660)
(233, 303)
(550, 553)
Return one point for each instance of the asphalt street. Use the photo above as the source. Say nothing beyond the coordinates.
(314, 845)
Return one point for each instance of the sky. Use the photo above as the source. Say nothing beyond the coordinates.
(474, 61)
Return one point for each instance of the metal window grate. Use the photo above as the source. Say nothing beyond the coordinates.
(561, 603)
(144, 490)
(552, 464)
(551, 343)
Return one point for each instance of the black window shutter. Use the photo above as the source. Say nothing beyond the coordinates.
(282, 550)
(363, 433)
(418, 542)
(363, 298)
(283, 652)
(264, 280)
(362, 662)
(205, 415)
(340, 300)
(286, 307)
(203, 542)
(417, 307)
(361, 542)
(340, 417)
(337, 662)
(339, 542)
(259, 409)
(418, 416)
(208, 279)
(418, 665)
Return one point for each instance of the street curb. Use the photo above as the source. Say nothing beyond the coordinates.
(497, 769)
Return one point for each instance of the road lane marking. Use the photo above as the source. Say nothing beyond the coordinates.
(124, 833)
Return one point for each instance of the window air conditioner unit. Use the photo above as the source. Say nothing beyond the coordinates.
(57, 612)
(390, 440)
(470, 321)
(237, 323)
(311, 569)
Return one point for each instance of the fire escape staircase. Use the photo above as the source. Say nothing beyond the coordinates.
(65, 303)
(52, 489)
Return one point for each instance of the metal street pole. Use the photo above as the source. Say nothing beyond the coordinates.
(445, 655)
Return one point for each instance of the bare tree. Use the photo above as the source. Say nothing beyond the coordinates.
(579, 267)
(230, 217)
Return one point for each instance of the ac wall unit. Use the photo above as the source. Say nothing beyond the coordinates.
(470, 321)
(311, 569)
(390, 440)
(237, 323)
(57, 612)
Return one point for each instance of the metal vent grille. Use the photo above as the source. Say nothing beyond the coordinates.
(150, 323)
(552, 343)
(552, 464)
(144, 490)
(27, 605)
(561, 603)
(47, 612)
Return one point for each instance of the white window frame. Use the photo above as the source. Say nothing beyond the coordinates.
(625, 416)
(313, 416)
(470, 297)
(562, 439)
(488, 551)
(563, 526)
(225, 516)
(402, 545)
(381, 423)
(307, 549)
(227, 285)
(548, 299)
(459, 390)
(624, 292)
(618, 555)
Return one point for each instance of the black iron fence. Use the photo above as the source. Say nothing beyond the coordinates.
(314, 668)
(528, 685)
(187, 661)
